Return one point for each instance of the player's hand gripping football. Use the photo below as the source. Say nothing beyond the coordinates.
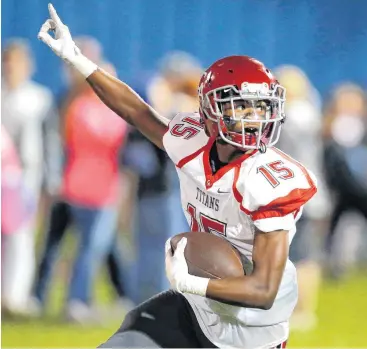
(177, 271)
(63, 45)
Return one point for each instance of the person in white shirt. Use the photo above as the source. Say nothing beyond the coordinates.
(25, 105)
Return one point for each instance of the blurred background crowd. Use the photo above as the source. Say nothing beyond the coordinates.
(87, 202)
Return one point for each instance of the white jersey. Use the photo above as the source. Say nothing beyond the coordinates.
(262, 190)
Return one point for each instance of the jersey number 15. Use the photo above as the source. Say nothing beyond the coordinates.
(274, 171)
(187, 132)
(205, 223)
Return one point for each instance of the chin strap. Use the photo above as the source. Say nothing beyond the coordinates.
(263, 147)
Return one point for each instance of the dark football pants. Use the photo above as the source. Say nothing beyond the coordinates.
(166, 321)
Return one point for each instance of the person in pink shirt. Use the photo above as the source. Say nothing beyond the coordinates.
(83, 185)
(92, 147)
(91, 185)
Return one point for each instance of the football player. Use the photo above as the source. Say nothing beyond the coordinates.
(235, 184)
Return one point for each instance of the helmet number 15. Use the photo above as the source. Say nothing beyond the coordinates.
(275, 171)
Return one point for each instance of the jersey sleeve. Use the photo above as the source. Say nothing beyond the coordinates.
(277, 190)
(184, 137)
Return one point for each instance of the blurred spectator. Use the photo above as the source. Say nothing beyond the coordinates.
(174, 90)
(159, 211)
(15, 213)
(345, 132)
(146, 274)
(93, 139)
(13, 203)
(302, 139)
(88, 192)
(25, 105)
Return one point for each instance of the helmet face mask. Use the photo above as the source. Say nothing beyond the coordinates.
(248, 113)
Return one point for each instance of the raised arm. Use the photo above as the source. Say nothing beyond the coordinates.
(126, 103)
(117, 95)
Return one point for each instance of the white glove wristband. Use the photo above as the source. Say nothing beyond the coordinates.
(81, 63)
(63, 45)
(196, 285)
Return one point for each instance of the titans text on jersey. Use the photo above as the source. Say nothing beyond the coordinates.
(209, 201)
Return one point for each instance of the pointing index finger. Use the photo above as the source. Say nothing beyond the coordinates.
(168, 246)
(54, 15)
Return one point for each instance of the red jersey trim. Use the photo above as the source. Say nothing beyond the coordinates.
(212, 178)
(190, 157)
(295, 213)
(285, 205)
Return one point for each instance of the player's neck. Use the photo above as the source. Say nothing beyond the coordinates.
(228, 153)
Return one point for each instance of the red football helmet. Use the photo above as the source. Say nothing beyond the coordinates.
(242, 102)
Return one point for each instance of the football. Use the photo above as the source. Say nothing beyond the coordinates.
(210, 256)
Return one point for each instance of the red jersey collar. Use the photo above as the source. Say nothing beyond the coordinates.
(211, 178)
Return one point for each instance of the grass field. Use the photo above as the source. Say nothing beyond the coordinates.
(342, 322)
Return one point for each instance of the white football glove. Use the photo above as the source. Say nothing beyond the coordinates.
(63, 44)
(177, 271)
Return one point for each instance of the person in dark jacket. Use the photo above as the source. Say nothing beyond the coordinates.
(345, 154)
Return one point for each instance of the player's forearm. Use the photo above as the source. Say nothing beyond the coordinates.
(248, 291)
(126, 103)
(259, 289)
